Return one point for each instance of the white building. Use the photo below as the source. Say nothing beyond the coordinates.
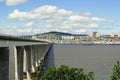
(90, 34)
(112, 35)
(94, 34)
(119, 34)
(68, 37)
(98, 34)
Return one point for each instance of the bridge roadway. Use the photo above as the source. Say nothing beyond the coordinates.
(21, 58)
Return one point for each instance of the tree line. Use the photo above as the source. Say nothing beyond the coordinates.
(66, 73)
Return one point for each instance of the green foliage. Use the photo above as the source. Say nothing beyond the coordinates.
(66, 73)
(116, 72)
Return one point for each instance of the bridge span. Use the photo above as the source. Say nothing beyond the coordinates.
(20, 59)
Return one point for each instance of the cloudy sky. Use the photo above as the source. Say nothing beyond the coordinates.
(22, 17)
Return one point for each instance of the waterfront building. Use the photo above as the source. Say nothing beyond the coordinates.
(119, 34)
(67, 37)
(90, 34)
(94, 34)
(112, 35)
(98, 34)
(28, 37)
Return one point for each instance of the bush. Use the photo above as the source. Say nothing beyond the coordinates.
(66, 73)
(116, 72)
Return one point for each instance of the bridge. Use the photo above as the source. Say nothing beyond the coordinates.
(20, 59)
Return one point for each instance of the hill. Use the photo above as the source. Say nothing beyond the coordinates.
(62, 34)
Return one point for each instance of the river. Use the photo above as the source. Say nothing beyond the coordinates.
(97, 58)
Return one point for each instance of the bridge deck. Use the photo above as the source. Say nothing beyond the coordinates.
(6, 41)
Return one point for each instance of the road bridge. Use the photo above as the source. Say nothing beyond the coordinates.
(21, 58)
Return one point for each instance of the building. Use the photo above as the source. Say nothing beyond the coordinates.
(98, 34)
(28, 37)
(94, 34)
(67, 37)
(119, 34)
(112, 35)
(90, 34)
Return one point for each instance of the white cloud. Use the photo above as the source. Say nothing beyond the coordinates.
(78, 18)
(45, 13)
(64, 12)
(24, 30)
(65, 27)
(15, 2)
(79, 31)
(16, 30)
(29, 24)
(45, 9)
(87, 14)
(54, 18)
(93, 25)
(17, 15)
(97, 19)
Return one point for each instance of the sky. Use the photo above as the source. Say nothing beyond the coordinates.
(29, 17)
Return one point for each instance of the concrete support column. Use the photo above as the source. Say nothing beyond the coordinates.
(42, 54)
(24, 60)
(39, 54)
(27, 62)
(33, 59)
(20, 51)
(13, 66)
(36, 56)
(4, 63)
(42, 51)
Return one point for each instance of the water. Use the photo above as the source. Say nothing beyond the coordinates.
(97, 58)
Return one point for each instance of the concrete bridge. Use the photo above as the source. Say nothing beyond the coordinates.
(21, 58)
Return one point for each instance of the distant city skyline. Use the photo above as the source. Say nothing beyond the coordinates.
(18, 17)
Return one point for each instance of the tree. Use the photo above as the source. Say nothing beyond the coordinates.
(66, 73)
(116, 72)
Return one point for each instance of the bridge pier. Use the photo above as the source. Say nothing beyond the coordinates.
(27, 62)
(33, 69)
(13, 66)
(4, 63)
(36, 56)
(40, 53)
(20, 52)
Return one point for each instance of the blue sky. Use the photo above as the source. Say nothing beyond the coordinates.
(21, 17)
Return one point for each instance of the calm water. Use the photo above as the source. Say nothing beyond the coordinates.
(97, 58)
